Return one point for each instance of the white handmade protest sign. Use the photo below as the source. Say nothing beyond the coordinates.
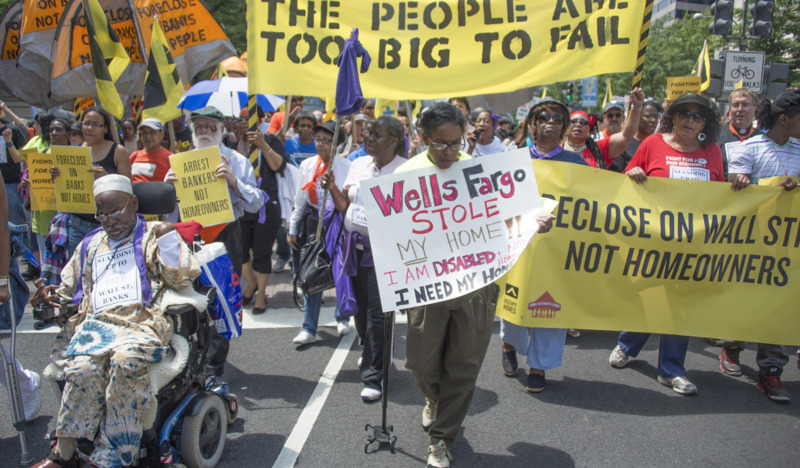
(438, 234)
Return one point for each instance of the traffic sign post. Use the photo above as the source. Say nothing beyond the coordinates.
(747, 67)
(589, 97)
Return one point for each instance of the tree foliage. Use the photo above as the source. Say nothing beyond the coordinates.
(232, 17)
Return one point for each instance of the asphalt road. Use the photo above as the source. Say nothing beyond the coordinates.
(590, 415)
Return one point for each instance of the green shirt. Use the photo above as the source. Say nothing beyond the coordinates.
(422, 160)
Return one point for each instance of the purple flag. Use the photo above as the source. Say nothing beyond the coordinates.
(348, 89)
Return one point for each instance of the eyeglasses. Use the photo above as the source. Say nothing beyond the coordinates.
(323, 141)
(205, 127)
(651, 116)
(444, 146)
(92, 124)
(115, 215)
(616, 115)
(686, 114)
(741, 105)
(547, 116)
(579, 122)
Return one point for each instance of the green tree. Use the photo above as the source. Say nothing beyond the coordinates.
(232, 17)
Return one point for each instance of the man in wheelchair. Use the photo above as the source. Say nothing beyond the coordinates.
(117, 276)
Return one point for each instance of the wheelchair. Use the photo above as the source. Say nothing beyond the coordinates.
(190, 422)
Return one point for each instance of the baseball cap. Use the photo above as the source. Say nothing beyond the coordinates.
(208, 112)
(788, 100)
(330, 126)
(614, 104)
(152, 122)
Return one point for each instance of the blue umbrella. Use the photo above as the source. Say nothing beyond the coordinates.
(227, 94)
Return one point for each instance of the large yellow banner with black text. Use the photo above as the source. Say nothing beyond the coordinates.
(433, 49)
(668, 256)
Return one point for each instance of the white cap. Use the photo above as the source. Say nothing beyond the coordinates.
(113, 182)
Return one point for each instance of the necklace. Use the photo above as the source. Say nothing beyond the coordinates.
(575, 149)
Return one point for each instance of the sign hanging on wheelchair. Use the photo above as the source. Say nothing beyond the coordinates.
(747, 67)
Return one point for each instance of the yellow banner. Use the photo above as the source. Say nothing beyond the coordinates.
(43, 190)
(431, 49)
(74, 186)
(669, 256)
(680, 85)
(201, 196)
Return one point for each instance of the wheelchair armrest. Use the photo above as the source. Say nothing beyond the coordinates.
(209, 291)
(179, 309)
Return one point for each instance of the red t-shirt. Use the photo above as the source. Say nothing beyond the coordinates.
(149, 167)
(276, 122)
(658, 159)
(605, 145)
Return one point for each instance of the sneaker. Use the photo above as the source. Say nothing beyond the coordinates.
(33, 403)
(729, 362)
(679, 385)
(715, 342)
(773, 387)
(370, 394)
(279, 266)
(573, 333)
(429, 413)
(509, 363)
(618, 358)
(304, 338)
(343, 328)
(438, 455)
(535, 383)
(360, 358)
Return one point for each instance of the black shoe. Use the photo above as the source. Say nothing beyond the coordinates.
(509, 363)
(259, 310)
(246, 300)
(535, 383)
(31, 274)
(42, 324)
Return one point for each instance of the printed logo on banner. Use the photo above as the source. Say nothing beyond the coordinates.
(512, 291)
(544, 307)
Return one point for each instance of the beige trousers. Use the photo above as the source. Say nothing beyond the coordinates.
(446, 343)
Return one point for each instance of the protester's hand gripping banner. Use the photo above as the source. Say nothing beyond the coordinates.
(438, 234)
(669, 256)
(430, 49)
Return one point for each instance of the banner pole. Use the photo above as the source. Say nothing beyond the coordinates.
(330, 169)
(645, 31)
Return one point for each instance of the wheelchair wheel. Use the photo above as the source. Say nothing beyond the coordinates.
(203, 435)
(233, 408)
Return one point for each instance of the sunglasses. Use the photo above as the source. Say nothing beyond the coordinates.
(686, 114)
(547, 116)
(579, 122)
(116, 216)
(323, 141)
(616, 115)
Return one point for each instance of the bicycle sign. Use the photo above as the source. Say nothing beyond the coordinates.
(744, 67)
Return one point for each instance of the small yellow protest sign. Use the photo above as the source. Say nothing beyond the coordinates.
(43, 190)
(74, 186)
(680, 85)
(201, 196)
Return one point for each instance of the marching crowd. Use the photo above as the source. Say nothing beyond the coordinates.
(277, 201)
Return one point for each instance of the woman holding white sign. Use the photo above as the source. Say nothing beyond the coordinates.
(385, 146)
(446, 341)
(686, 149)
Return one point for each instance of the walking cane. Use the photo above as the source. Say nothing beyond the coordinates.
(383, 434)
(14, 392)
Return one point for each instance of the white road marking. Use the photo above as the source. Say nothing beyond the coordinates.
(294, 444)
